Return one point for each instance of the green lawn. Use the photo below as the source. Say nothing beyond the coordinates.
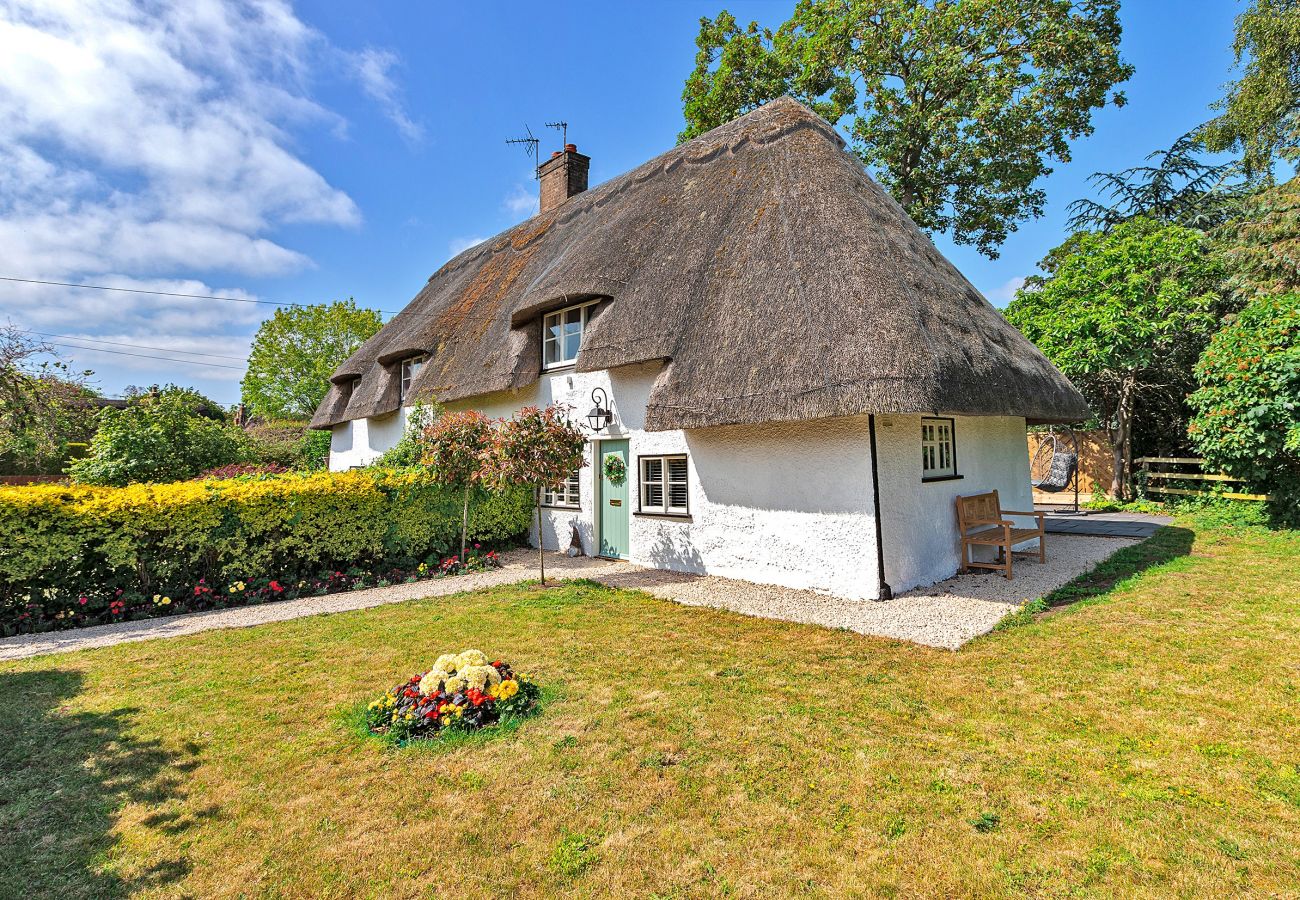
(1142, 741)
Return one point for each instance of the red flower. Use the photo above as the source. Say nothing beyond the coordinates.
(82, 601)
(275, 586)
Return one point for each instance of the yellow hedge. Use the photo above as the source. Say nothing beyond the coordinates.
(85, 541)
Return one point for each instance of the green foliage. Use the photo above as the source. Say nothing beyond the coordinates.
(161, 436)
(539, 449)
(62, 542)
(1124, 314)
(457, 450)
(295, 352)
(410, 448)
(1180, 188)
(1247, 406)
(290, 444)
(1262, 247)
(958, 108)
(43, 408)
(1260, 115)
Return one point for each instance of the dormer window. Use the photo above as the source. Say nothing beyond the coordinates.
(562, 334)
(410, 369)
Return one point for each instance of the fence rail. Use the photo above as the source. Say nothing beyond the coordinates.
(1146, 474)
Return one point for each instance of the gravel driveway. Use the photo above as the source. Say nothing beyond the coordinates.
(945, 615)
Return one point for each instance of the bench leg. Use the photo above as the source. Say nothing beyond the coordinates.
(965, 557)
(1008, 558)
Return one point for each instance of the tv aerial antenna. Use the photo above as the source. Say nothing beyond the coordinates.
(563, 129)
(530, 148)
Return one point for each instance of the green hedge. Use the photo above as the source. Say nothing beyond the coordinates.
(78, 555)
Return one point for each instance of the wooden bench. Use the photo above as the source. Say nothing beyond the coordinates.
(982, 522)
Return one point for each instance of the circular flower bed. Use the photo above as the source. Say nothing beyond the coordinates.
(463, 692)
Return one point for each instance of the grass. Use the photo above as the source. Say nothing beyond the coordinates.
(1139, 741)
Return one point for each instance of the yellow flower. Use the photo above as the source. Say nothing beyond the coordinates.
(508, 689)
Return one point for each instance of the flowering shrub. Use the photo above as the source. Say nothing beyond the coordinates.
(193, 541)
(462, 692)
(476, 560)
(235, 470)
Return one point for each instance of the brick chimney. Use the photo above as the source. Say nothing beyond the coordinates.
(562, 176)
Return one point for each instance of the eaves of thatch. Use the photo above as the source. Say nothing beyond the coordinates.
(771, 274)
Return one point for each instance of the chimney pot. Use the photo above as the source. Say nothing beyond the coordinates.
(562, 176)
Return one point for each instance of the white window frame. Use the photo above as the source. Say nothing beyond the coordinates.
(407, 371)
(566, 496)
(584, 311)
(938, 448)
(665, 483)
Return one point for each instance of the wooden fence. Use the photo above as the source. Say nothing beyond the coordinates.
(1165, 479)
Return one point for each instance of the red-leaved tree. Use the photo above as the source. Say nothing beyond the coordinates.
(457, 450)
(538, 448)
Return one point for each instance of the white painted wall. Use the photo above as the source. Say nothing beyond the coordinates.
(787, 504)
(919, 519)
(362, 441)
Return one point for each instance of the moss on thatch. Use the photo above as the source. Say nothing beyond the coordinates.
(774, 277)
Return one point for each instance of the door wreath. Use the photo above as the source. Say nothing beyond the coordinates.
(615, 469)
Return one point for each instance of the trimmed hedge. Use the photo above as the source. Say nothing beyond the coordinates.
(78, 555)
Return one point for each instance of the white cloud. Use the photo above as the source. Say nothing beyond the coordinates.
(1001, 296)
(152, 143)
(372, 67)
(522, 200)
(155, 139)
(461, 244)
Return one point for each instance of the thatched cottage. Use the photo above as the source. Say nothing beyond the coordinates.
(798, 382)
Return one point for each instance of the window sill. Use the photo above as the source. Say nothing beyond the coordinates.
(680, 517)
(942, 478)
(558, 506)
(558, 367)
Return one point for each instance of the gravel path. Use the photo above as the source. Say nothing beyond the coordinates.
(517, 565)
(945, 615)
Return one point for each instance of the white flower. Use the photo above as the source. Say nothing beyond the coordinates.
(445, 663)
(481, 676)
(471, 658)
(455, 684)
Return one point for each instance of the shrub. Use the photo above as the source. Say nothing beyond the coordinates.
(1247, 407)
(59, 544)
(163, 436)
(461, 693)
(237, 470)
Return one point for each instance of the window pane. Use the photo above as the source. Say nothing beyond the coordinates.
(653, 495)
(677, 496)
(652, 469)
(677, 469)
(572, 341)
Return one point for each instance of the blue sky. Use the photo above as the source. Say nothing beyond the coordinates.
(320, 150)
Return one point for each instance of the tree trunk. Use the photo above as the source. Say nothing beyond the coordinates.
(1120, 435)
(541, 549)
(464, 524)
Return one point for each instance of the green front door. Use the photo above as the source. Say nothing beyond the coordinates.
(612, 502)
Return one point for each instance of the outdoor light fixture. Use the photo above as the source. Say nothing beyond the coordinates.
(600, 415)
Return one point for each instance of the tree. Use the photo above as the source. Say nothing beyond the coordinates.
(1180, 188)
(1126, 313)
(296, 350)
(457, 449)
(957, 107)
(1262, 246)
(1247, 407)
(1260, 114)
(540, 449)
(44, 406)
(163, 435)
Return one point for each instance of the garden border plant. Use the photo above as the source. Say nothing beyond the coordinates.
(74, 556)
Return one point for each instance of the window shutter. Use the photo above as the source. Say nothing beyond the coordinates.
(677, 492)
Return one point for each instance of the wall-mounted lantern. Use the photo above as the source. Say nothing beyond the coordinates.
(600, 415)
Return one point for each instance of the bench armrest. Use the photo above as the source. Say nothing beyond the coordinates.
(1021, 512)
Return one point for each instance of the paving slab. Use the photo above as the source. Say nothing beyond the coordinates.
(1105, 524)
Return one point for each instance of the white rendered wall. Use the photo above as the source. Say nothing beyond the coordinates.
(787, 504)
(919, 519)
(776, 504)
(362, 441)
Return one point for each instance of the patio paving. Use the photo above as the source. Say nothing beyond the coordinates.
(1104, 524)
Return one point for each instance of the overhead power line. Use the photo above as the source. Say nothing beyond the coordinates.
(105, 287)
(170, 359)
(86, 340)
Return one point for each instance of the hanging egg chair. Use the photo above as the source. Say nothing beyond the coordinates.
(1055, 465)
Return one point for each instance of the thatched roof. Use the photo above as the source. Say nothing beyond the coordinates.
(774, 277)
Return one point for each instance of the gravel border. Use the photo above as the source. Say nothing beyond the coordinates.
(517, 565)
(945, 615)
